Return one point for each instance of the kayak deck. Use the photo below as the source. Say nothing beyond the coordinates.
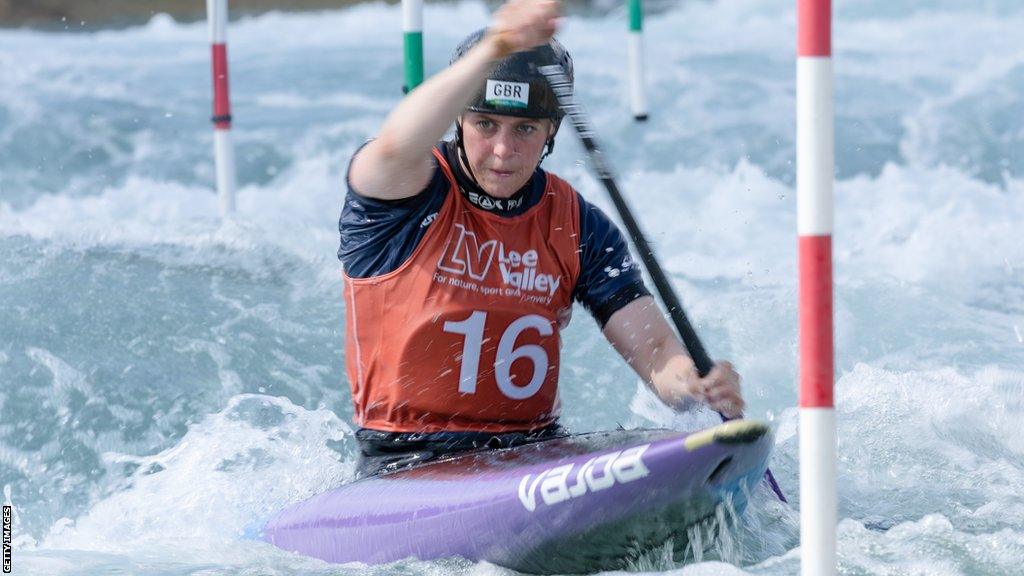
(567, 505)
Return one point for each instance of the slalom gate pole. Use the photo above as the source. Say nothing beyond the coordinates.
(223, 149)
(562, 88)
(815, 158)
(412, 33)
(637, 94)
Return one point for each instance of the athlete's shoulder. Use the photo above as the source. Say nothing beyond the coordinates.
(562, 192)
(610, 278)
(377, 236)
(556, 182)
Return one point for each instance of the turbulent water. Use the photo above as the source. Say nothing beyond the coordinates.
(167, 379)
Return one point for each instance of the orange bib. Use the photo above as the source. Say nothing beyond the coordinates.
(464, 336)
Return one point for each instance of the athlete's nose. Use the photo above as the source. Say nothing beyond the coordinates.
(504, 145)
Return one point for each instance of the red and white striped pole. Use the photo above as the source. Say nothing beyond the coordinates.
(223, 150)
(815, 147)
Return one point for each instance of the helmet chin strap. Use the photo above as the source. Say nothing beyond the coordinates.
(462, 153)
(551, 140)
(550, 148)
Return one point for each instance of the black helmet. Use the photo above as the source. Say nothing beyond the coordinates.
(514, 86)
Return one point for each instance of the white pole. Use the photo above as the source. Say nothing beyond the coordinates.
(815, 177)
(223, 149)
(637, 93)
(412, 38)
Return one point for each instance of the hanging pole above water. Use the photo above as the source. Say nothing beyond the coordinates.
(412, 32)
(637, 87)
(815, 143)
(223, 148)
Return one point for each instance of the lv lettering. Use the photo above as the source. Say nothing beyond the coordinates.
(466, 255)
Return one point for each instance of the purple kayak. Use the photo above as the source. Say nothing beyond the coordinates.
(568, 505)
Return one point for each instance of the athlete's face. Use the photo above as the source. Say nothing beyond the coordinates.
(503, 151)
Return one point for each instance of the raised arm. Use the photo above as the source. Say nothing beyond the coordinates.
(645, 340)
(397, 163)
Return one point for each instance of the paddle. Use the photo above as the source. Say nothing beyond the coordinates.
(562, 88)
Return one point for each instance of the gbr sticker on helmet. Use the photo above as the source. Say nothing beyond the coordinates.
(507, 94)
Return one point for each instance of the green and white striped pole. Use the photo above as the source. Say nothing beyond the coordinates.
(412, 29)
(638, 97)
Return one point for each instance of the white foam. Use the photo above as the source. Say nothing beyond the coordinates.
(228, 472)
(928, 256)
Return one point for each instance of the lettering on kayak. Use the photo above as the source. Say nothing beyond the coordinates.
(559, 484)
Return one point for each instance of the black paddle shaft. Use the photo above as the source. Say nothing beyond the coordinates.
(562, 88)
(563, 91)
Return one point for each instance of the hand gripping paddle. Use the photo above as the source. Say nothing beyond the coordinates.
(563, 91)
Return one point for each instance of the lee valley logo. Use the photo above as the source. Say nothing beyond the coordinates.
(466, 256)
(600, 473)
(8, 514)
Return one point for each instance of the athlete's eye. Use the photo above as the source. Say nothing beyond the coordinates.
(527, 129)
(484, 124)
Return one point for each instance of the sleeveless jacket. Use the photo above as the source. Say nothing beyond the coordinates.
(464, 335)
